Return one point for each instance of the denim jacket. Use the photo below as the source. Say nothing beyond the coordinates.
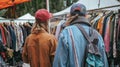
(64, 56)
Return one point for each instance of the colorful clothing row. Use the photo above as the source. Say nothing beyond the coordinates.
(108, 26)
(13, 36)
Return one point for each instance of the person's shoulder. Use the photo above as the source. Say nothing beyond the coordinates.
(68, 27)
(50, 36)
(47, 36)
(96, 32)
(29, 36)
(99, 35)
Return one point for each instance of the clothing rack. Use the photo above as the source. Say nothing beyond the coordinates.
(104, 8)
(17, 19)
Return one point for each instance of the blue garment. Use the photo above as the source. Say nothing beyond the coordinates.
(2, 62)
(64, 54)
(59, 28)
(13, 38)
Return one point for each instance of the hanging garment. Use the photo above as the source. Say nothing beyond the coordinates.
(118, 35)
(3, 34)
(19, 37)
(59, 28)
(107, 36)
(28, 29)
(118, 42)
(114, 37)
(3, 41)
(100, 25)
(2, 62)
(104, 25)
(24, 33)
(13, 38)
(7, 34)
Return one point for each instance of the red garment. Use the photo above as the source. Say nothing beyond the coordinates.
(3, 35)
(3, 40)
(107, 37)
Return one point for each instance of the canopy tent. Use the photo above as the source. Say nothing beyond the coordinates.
(25, 18)
(11, 4)
(4, 20)
(91, 5)
(5, 3)
(20, 1)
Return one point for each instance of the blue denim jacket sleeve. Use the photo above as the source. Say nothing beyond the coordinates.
(61, 55)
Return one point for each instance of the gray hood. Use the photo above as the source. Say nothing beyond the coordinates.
(81, 19)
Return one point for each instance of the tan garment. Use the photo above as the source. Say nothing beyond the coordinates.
(100, 25)
(39, 49)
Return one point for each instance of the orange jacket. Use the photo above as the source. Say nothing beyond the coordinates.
(39, 49)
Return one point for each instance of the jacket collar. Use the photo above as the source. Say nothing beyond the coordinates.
(36, 31)
(81, 19)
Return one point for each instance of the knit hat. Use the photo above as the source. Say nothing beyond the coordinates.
(79, 9)
(43, 15)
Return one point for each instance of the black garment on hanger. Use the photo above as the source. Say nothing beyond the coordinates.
(2, 47)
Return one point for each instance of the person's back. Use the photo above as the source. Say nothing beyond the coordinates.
(71, 45)
(40, 46)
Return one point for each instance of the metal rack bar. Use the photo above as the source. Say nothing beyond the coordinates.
(104, 8)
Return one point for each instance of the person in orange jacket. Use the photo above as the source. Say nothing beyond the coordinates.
(40, 46)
